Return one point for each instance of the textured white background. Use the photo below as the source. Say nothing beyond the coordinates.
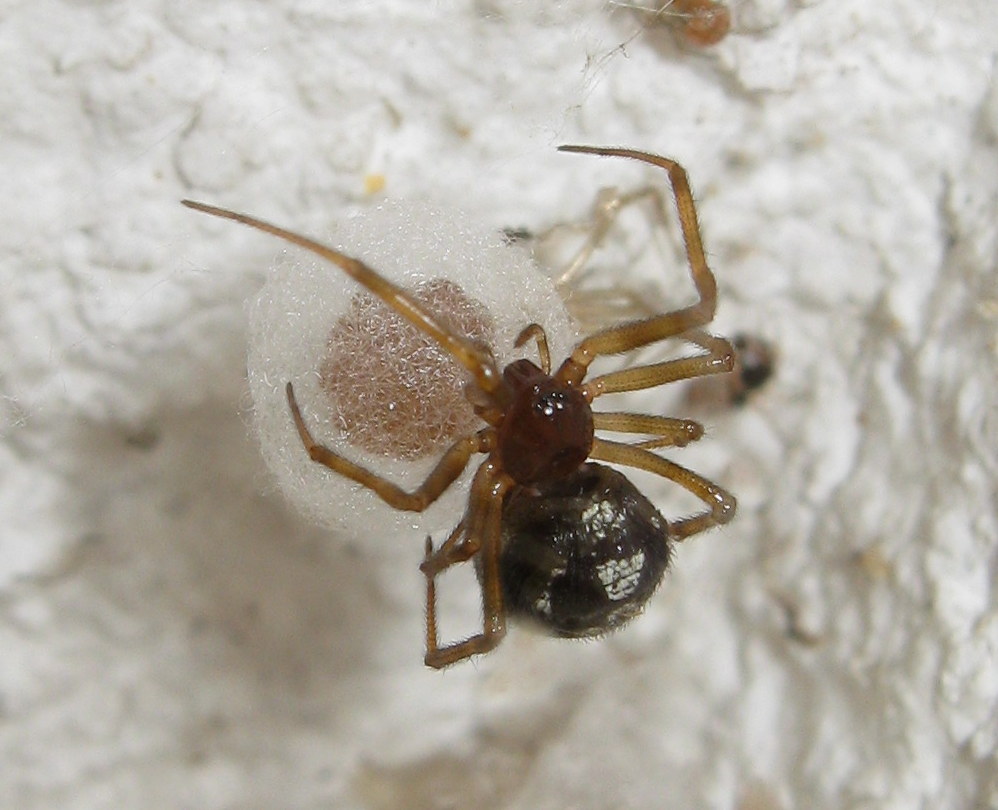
(172, 636)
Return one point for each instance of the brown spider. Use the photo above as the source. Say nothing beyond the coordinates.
(703, 22)
(699, 22)
(567, 543)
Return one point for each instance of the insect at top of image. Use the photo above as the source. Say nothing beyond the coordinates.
(557, 539)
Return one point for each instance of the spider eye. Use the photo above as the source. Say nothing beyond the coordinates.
(550, 404)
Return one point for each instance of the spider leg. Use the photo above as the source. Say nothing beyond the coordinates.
(721, 503)
(536, 331)
(671, 432)
(464, 541)
(719, 359)
(639, 333)
(609, 204)
(451, 552)
(479, 532)
(475, 357)
(596, 309)
(450, 466)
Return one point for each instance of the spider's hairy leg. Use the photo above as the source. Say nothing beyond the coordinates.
(670, 432)
(479, 532)
(720, 358)
(450, 466)
(475, 357)
(721, 503)
(609, 204)
(639, 333)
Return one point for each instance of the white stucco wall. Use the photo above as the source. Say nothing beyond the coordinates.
(172, 635)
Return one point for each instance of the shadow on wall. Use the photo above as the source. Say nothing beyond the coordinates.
(179, 543)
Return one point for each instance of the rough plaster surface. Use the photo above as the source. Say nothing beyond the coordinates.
(173, 635)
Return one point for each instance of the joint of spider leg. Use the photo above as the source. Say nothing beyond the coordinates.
(690, 431)
(721, 364)
(573, 370)
(591, 391)
(722, 505)
(495, 627)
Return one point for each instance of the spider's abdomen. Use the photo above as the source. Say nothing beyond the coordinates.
(582, 555)
(547, 429)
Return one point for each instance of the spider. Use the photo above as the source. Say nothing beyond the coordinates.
(755, 359)
(556, 538)
(704, 22)
(700, 22)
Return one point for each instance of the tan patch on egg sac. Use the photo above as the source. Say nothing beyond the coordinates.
(394, 390)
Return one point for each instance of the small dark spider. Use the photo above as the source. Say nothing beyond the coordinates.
(568, 543)
(754, 361)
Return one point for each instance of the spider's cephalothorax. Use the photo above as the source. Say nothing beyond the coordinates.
(569, 544)
(547, 428)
